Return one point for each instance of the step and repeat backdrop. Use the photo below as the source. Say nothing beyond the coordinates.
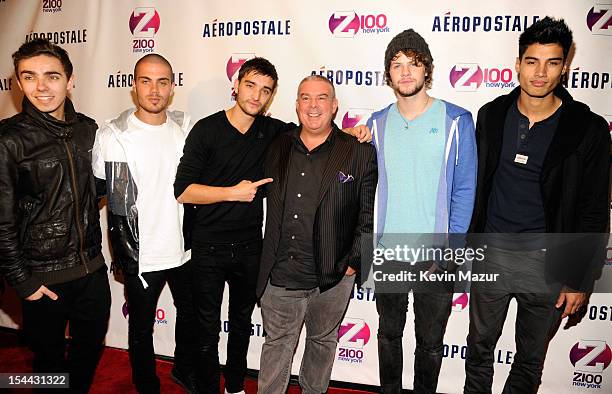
(474, 45)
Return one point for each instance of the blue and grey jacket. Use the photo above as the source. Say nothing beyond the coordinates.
(457, 182)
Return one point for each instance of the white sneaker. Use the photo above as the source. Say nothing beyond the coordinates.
(240, 392)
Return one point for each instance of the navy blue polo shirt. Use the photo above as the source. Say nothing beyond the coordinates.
(515, 203)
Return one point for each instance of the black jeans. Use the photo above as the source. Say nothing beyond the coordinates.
(214, 264)
(432, 308)
(142, 304)
(84, 304)
(536, 319)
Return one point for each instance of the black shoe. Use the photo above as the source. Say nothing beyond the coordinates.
(186, 381)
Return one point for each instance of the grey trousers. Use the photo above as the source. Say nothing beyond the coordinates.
(284, 312)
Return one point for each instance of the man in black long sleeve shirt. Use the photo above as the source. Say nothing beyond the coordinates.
(219, 176)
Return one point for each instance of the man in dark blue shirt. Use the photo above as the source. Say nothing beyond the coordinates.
(543, 168)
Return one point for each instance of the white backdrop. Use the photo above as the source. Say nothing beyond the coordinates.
(474, 46)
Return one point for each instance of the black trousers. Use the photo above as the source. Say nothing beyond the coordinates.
(84, 304)
(536, 320)
(142, 305)
(432, 308)
(214, 264)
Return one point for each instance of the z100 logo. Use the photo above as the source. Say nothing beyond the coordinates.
(460, 302)
(467, 77)
(590, 358)
(233, 65)
(144, 23)
(354, 117)
(599, 19)
(348, 23)
(353, 335)
(160, 314)
(52, 5)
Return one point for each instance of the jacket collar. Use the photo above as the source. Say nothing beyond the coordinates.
(59, 128)
(341, 151)
(566, 138)
(498, 116)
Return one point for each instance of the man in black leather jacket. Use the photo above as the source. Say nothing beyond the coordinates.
(50, 238)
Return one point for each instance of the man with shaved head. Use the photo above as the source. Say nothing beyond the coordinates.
(137, 154)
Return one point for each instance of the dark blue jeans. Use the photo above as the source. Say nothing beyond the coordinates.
(432, 307)
(213, 265)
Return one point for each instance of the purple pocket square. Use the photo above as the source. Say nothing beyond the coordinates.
(345, 178)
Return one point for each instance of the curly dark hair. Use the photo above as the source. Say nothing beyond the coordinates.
(413, 45)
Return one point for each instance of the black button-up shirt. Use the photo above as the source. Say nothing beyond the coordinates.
(295, 267)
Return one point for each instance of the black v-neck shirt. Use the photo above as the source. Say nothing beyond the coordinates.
(217, 154)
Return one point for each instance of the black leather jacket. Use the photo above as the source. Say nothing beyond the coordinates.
(49, 218)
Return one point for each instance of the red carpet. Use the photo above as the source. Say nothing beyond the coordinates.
(113, 374)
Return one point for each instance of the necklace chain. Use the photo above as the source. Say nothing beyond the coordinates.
(407, 125)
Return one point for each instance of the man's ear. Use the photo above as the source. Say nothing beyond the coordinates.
(71, 82)
(517, 65)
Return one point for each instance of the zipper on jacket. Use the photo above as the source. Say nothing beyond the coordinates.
(77, 210)
(28, 206)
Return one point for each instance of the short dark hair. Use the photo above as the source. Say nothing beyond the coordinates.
(321, 78)
(156, 58)
(258, 65)
(42, 46)
(547, 31)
